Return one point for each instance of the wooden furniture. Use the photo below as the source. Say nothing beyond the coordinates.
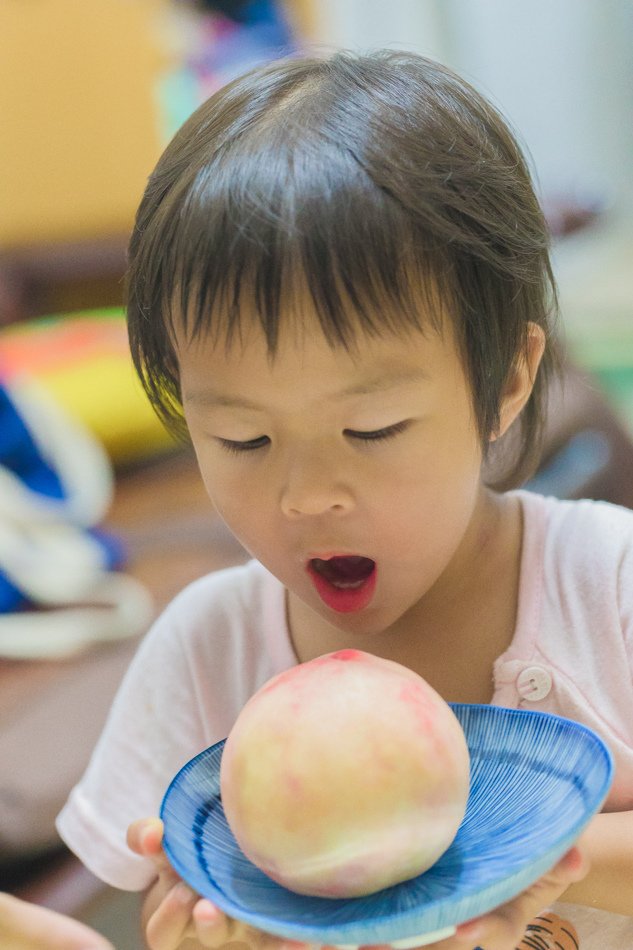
(41, 279)
(80, 122)
(81, 131)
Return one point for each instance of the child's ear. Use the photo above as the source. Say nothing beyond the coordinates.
(521, 380)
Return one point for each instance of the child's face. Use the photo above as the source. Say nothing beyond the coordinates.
(320, 453)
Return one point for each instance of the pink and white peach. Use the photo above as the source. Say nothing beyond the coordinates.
(345, 775)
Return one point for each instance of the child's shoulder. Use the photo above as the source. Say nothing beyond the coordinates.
(220, 619)
(583, 515)
(230, 591)
(592, 535)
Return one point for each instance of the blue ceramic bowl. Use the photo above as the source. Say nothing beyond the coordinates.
(536, 781)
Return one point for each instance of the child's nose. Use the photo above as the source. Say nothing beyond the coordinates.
(313, 486)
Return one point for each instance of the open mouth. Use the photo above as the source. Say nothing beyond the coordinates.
(344, 571)
(344, 582)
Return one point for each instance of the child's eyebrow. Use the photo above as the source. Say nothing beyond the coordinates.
(392, 379)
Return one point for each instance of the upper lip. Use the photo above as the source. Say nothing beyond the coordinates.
(327, 554)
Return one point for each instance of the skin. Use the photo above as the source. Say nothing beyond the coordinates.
(25, 926)
(413, 502)
(314, 466)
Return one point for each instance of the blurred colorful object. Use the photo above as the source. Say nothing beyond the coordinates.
(60, 587)
(608, 355)
(218, 40)
(82, 361)
(51, 474)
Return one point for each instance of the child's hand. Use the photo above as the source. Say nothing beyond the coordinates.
(174, 913)
(177, 913)
(503, 928)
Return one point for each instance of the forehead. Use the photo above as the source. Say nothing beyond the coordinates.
(221, 372)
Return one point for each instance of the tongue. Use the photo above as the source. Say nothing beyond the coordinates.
(352, 569)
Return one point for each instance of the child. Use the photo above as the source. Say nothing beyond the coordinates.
(339, 283)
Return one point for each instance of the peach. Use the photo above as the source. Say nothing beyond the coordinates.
(345, 775)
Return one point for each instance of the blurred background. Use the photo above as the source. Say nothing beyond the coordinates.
(90, 92)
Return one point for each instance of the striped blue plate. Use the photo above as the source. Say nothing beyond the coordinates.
(536, 781)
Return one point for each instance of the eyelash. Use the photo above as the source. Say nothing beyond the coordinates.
(377, 435)
(237, 448)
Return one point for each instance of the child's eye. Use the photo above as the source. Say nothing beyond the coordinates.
(230, 445)
(378, 434)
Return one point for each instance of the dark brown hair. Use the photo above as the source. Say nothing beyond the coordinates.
(378, 184)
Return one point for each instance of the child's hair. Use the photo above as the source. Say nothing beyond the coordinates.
(380, 188)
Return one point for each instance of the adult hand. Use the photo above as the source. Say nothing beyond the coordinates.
(174, 913)
(25, 926)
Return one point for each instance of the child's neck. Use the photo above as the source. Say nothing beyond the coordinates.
(452, 641)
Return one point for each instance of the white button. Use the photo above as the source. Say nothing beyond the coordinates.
(534, 683)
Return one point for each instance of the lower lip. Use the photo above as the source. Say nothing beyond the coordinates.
(344, 600)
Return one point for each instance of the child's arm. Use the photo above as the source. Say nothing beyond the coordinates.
(175, 917)
(608, 842)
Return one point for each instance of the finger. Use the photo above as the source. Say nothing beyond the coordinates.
(215, 929)
(145, 838)
(171, 922)
(574, 865)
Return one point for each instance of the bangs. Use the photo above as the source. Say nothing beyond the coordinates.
(284, 234)
(285, 229)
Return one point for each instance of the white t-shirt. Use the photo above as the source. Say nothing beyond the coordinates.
(226, 634)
